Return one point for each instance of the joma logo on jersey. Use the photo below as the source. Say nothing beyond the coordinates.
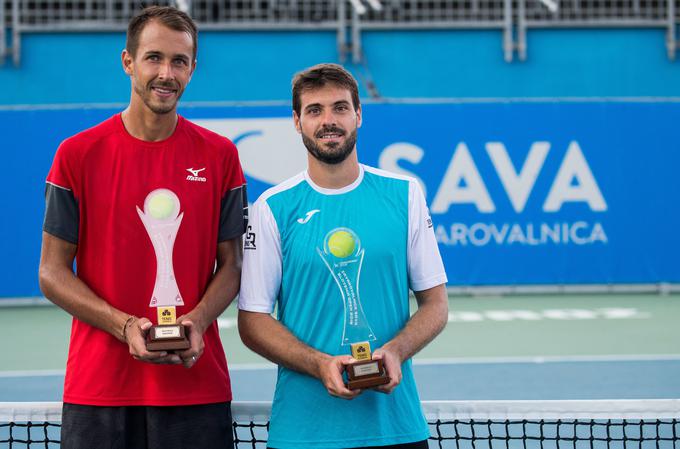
(307, 216)
(194, 175)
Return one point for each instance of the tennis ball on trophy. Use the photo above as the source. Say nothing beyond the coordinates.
(341, 244)
(161, 206)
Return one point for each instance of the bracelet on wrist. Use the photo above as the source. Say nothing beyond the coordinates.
(131, 319)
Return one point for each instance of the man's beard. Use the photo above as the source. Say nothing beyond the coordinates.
(158, 108)
(334, 153)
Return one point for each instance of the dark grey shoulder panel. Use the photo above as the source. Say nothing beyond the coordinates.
(233, 214)
(61, 213)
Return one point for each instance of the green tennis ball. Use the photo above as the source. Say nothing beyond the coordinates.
(161, 206)
(341, 244)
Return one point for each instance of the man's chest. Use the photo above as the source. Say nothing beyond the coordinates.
(118, 181)
(341, 229)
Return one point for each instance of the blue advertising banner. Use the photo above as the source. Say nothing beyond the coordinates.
(519, 192)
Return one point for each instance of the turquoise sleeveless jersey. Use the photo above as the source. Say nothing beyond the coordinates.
(310, 304)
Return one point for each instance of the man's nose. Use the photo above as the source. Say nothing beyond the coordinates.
(328, 117)
(165, 71)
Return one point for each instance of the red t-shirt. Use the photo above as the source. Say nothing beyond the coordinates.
(98, 181)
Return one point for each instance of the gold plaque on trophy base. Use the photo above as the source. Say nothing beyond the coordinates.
(361, 351)
(166, 315)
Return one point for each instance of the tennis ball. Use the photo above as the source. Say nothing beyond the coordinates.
(341, 244)
(161, 206)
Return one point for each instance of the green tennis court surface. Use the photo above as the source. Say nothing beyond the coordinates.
(36, 338)
(510, 348)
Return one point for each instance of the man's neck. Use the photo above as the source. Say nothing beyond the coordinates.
(334, 176)
(146, 125)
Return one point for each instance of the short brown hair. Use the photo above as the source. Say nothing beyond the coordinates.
(320, 75)
(170, 17)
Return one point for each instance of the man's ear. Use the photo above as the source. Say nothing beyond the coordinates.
(359, 117)
(193, 69)
(296, 120)
(126, 59)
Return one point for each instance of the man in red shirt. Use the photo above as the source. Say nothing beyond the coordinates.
(152, 208)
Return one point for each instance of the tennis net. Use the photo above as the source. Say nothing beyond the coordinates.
(615, 424)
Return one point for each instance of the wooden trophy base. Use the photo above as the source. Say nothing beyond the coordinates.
(366, 374)
(167, 338)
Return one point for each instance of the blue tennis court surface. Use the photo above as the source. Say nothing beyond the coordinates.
(502, 380)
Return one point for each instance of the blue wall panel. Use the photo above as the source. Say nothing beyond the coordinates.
(630, 147)
(613, 164)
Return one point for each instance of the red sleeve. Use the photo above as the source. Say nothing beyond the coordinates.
(64, 167)
(233, 173)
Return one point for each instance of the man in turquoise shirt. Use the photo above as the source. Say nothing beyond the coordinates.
(336, 250)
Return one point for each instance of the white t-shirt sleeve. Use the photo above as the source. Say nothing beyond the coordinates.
(425, 266)
(261, 272)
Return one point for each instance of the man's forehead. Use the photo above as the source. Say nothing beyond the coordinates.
(328, 94)
(156, 37)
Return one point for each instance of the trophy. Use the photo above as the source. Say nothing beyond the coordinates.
(342, 254)
(167, 335)
(161, 219)
(366, 373)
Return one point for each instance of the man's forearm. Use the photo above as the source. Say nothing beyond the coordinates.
(271, 339)
(424, 325)
(224, 285)
(61, 286)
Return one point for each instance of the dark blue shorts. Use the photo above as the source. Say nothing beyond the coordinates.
(183, 427)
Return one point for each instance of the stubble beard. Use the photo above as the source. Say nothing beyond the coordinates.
(334, 153)
(146, 94)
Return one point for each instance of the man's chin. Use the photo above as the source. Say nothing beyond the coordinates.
(331, 145)
(331, 158)
(162, 109)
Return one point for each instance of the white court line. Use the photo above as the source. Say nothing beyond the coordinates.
(32, 373)
(437, 362)
(549, 359)
(252, 367)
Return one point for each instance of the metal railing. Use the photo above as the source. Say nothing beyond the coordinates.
(3, 36)
(597, 14)
(348, 18)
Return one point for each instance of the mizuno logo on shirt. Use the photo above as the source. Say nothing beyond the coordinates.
(194, 175)
(308, 216)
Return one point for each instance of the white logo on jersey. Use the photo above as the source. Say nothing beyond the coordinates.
(194, 175)
(308, 216)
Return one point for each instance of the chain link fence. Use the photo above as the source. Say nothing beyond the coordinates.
(346, 17)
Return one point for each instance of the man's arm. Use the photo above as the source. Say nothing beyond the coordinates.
(271, 339)
(61, 286)
(424, 325)
(221, 291)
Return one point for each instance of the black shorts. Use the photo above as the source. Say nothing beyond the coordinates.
(416, 445)
(183, 427)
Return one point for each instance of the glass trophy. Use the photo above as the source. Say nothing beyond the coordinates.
(343, 256)
(161, 220)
